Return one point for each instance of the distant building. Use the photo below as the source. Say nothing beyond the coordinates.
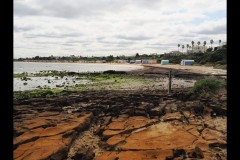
(149, 61)
(185, 62)
(222, 44)
(138, 61)
(197, 49)
(175, 53)
(120, 61)
(164, 62)
(132, 61)
(101, 61)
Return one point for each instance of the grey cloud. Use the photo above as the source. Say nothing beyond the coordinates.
(67, 9)
(116, 42)
(39, 42)
(76, 8)
(57, 43)
(112, 49)
(214, 30)
(22, 9)
(22, 28)
(77, 41)
(53, 35)
(139, 38)
(68, 49)
(161, 44)
(157, 48)
(69, 44)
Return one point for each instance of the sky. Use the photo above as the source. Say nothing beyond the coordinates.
(114, 27)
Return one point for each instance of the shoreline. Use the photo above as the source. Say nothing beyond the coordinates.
(196, 69)
(121, 64)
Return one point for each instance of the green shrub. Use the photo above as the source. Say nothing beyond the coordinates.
(205, 87)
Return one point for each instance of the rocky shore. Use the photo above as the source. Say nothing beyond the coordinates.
(133, 122)
(124, 124)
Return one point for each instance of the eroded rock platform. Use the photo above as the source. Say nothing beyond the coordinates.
(125, 125)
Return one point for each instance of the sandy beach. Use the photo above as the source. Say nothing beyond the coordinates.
(194, 69)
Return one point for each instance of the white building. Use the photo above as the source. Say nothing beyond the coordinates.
(197, 49)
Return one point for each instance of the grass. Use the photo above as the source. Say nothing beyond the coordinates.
(207, 87)
(20, 75)
(20, 95)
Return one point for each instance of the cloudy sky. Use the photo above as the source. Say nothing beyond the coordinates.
(116, 27)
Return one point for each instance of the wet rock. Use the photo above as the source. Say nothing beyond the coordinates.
(114, 72)
(217, 111)
(199, 153)
(219, 145)
(84, 154)
(126, 155)
(179, 153)
(157, 111)
(170, 108)
(106, 120)
(198, 108)
(169, 158)
(139, 113)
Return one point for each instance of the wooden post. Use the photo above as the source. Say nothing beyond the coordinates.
(170, 81)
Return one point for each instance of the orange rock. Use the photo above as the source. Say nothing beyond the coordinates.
(130, 123)
(50, 143)
(116, 139)
(172, 116)
(108, 133)
(27, 136)
(78, 124)
(35, 123)
(44, 148)
(136, 155)
(159, 136)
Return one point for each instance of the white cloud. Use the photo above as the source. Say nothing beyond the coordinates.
(103, 27)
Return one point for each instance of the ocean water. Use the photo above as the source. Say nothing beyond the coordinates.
(52, 82)
(33, 67)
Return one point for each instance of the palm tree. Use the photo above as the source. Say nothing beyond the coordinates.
(211, 41)
(187, 47)
(192, 45)
(219, 42)
(178, 47)
(182, 48)
(204, 44)
(198, 43)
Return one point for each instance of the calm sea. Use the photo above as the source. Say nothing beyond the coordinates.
(32, 67)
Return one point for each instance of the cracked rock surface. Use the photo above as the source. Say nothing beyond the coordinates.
(124, 124)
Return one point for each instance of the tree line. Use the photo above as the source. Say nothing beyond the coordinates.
(73, 58)
(198, 43)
